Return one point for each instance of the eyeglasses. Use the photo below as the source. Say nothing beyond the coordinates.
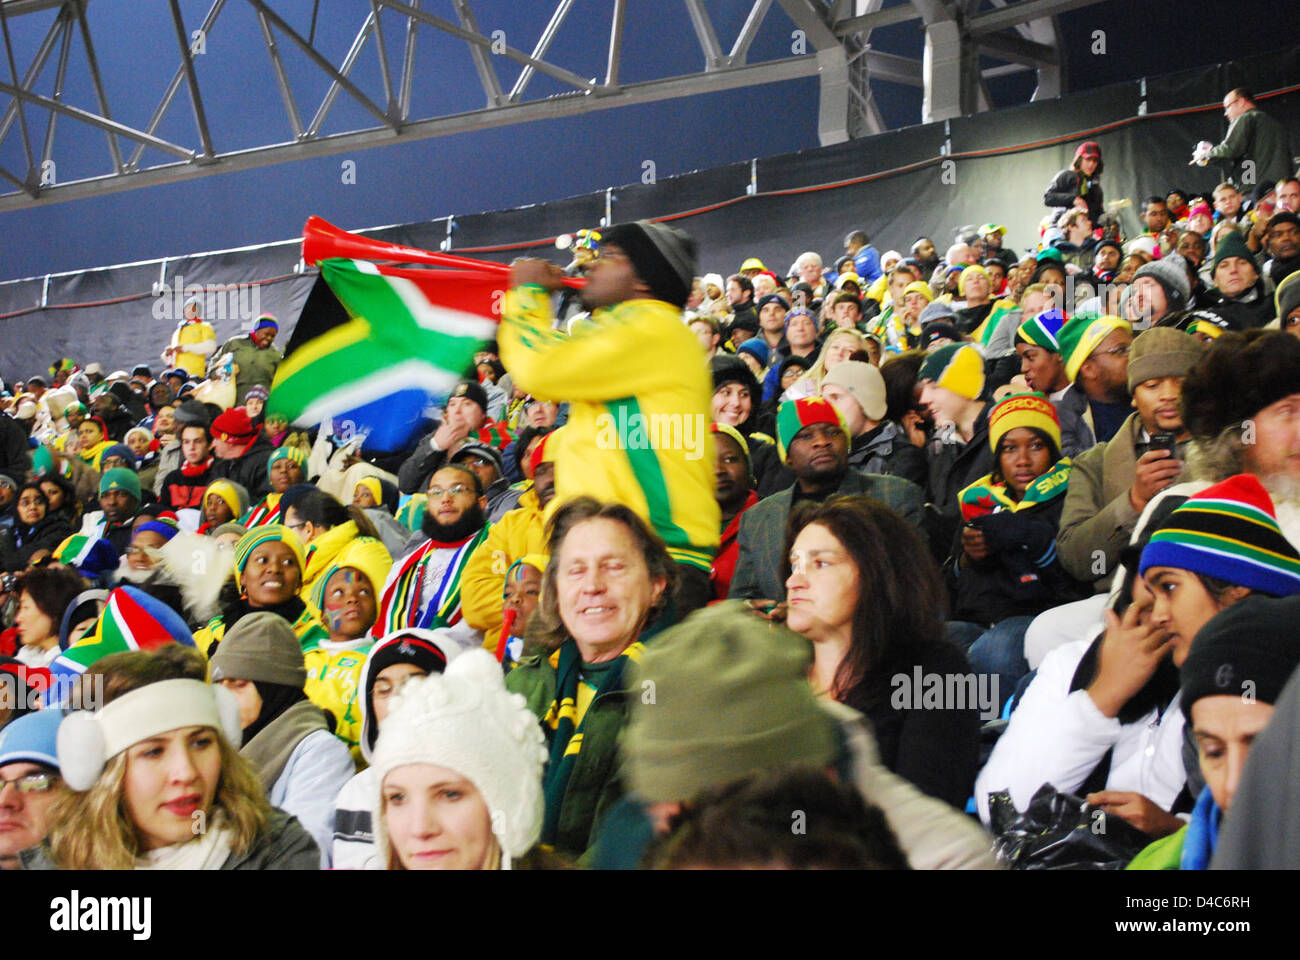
(31, 782)
(456, 489)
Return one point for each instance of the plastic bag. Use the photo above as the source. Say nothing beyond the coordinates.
(1059, 831)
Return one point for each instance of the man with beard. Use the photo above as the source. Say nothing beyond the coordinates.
(519, 533)
(423, 588)
(925, 255)
(639, 398)
(813, 440)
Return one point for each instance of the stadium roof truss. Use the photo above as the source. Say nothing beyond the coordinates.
(958, 33)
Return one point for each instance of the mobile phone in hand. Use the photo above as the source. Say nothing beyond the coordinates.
(1162, 441)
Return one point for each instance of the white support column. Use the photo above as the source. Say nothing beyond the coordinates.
(942, 68)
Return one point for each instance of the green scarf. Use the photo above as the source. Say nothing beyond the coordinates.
(566, 733)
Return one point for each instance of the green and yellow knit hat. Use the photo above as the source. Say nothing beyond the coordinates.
(957, 367)
(1043, 330)
(287, 452)
(1229, 531)
(1082, 335)
(1023, 410)
(259, 535)
(120, 478)
(794, 415)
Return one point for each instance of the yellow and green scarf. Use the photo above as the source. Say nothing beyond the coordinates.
(984, 496)
(565, 726)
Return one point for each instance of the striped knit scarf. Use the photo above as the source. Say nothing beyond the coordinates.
(266, 511)
(405, 604)
(891, 330)
(566, 734)
(496, 435)
(984, 496)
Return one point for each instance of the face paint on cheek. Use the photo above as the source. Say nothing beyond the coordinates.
(337, 609)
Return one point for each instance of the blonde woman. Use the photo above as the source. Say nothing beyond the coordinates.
(839, 346)
(459, 768)
(157, 783)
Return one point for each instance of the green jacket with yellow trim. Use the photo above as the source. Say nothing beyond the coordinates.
(639, 391)
(596, 784)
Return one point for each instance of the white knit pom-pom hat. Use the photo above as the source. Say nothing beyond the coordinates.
(465, 720)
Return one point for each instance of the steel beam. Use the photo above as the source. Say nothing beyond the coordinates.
(408, 64)
(173, 87)
(1027, 10)
(79, 6)
(879, 18)
(281, 77)
(34, 71)
(382, 48)
(617, 19)
(314, 55)
(95, 120)
(539, 51)
(60, 75)
(487, 73)
(705, 33)
(740, 49)
(726, 78)
(192, 80)
(541, 66)
(32, 176)
(345, 68)
(1016, 49)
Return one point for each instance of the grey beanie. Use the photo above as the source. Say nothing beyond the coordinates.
(937, 310)
(1171, 273)
(261, 646)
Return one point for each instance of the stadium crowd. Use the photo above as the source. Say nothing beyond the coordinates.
(839, 565)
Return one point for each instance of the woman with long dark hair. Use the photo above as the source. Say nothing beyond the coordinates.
(864, 589)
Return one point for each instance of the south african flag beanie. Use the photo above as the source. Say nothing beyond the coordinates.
(1042, 330)
(1229, 531)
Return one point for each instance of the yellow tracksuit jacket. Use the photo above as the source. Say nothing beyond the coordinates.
(519, 532)
(638, 430)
